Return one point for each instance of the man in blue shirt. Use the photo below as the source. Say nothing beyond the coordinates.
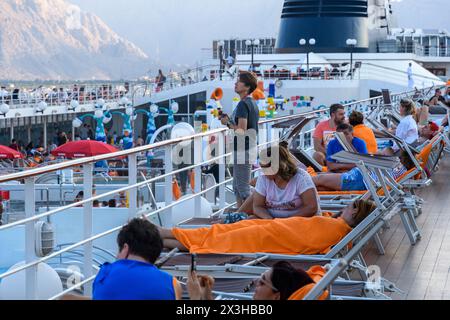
(335, 147)
(134, 276)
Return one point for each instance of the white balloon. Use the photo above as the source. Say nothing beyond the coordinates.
(98, 113)
(77, 123)
(154, 108)
(175, 107)
(107, 120)
(48, 284)
(4, 108)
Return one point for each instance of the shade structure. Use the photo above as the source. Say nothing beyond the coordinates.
(315, 62)
(83, 149)
(8, 153)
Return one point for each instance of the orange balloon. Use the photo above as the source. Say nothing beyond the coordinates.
(217, 94)
(258, 94)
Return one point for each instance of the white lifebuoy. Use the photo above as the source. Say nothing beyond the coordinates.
(279, 84)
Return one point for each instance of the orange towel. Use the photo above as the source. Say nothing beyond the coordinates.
(316, 273)
(291, 236)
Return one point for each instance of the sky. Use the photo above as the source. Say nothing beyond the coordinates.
(176, 31)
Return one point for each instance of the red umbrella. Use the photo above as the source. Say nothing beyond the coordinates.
(8, 153)
(83, 148)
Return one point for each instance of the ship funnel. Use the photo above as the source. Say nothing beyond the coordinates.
(329, 22)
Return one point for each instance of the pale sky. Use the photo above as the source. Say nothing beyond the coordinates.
(175, 31)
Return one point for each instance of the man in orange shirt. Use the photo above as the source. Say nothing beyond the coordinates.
(361, 131)
(325, 130)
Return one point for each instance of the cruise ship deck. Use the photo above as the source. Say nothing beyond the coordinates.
(421, 271)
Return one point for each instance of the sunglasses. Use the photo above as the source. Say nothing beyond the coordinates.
(261, 282)
(265, 166)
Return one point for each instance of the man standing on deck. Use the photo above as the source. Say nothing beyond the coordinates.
(410, 77)
(244, 122)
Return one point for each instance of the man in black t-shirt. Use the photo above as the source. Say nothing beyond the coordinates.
(244, 122)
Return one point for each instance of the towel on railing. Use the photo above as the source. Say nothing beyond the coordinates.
(316, 235)
(316, 273)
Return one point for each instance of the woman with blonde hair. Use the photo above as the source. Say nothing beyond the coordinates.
(284, 190)
(407, 129)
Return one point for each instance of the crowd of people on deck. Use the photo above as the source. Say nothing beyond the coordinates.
(59, 95)
(280, 214)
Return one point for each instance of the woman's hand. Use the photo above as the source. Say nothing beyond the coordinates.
(200, 287)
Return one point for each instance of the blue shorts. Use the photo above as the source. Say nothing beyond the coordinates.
(353, 181)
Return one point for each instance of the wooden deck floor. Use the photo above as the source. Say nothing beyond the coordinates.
(421, 271)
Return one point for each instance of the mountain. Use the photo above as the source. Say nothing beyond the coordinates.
(53, 39)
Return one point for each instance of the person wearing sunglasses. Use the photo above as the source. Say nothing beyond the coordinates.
(283, 190)
(281, 282)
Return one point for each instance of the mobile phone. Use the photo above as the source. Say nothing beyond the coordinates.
(193, 262)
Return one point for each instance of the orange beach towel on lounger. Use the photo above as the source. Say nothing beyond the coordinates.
(291, 236)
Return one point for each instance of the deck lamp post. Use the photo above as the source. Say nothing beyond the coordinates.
(311, 42)
(352, 44)
(252, 44)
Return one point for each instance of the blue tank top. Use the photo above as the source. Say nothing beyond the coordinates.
(132, 280)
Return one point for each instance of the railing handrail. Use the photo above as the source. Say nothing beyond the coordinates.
(73, 163)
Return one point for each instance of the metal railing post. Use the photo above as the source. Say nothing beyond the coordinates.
(168, 166)
(198, 158)
(269, 132)
(132, 180)
(88, 224)
(30, 236)
(222, 168)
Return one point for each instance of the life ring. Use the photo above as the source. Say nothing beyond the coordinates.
(279, 84)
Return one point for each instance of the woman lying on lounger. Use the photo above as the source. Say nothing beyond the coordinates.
(282, 282)
(284, 190)
(290, 236)
(354, 181)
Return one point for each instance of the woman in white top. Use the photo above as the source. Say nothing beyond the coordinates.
(284, 190)
(407, 129)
